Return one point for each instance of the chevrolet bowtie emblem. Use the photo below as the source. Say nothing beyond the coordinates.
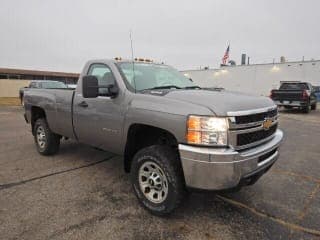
(267, 123)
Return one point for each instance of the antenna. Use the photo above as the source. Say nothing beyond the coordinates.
(132, 59)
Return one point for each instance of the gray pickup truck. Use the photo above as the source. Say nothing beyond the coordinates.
(174, 136)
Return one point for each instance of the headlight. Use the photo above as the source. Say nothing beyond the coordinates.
(207, 130)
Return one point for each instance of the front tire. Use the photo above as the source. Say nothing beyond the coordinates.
(47, 142)
(157, 179)
(314, 106)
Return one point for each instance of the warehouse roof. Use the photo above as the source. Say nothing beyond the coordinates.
(313, 62)
(37, 73)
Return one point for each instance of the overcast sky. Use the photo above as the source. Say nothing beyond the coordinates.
(61, 35)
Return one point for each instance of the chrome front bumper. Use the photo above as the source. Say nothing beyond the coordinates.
(219, 169)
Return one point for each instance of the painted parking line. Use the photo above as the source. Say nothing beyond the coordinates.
(287, 224)
(308, 203)
(305, 177)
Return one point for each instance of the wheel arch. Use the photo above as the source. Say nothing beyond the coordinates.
(36, 113)
(142, 135)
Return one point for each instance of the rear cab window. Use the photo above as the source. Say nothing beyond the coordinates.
(294, 86)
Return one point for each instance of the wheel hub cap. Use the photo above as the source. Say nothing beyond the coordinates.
(153, 182)
(41, 137)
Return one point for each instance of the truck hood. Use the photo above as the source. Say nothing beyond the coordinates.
(221, 102)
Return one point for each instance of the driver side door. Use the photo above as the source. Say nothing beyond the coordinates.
(98, 121)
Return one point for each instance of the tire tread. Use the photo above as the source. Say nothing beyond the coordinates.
(171, 165)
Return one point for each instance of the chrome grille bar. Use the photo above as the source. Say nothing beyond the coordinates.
(248, 129)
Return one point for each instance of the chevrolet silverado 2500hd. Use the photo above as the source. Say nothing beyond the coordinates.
(173, 135)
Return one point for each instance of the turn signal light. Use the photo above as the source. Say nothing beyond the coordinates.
(194, 137)
(194, 123)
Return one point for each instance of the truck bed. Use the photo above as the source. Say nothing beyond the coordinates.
(58, 104)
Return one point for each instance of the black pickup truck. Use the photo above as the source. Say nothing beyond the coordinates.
(295, 94)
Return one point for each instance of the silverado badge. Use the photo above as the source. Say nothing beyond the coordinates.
(267, 123)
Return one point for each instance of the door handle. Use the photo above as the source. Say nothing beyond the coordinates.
(83, 104)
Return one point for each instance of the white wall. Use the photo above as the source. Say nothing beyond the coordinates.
(257, 79)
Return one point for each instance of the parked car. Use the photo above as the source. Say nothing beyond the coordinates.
(46, 84)
(295, 94)
(73, 86)
(317, 92)
(173, 135)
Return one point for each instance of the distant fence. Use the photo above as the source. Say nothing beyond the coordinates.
(10, 87)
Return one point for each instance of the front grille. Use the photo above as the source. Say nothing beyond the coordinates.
(256, 117)
(251, 137)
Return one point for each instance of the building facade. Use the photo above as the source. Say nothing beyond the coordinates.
(11, 80)
(23, 74)
(258, 79)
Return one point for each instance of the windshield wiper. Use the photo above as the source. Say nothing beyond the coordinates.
(192, 87)
(163, 87)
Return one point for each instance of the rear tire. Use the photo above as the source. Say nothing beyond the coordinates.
(314, 106)
(47, 142)
(157, 179)
(306, 109)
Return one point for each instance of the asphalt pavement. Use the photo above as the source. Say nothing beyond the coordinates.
(83, 193)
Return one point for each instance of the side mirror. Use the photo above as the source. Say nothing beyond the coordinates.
(90, 88)
(113, 90)
(110, 90)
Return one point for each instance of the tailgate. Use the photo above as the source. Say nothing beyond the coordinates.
(287, 95)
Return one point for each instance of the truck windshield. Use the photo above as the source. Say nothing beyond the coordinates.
(154, 76)
(294, 86)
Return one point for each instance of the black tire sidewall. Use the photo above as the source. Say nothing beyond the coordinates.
(168, 204)
(307, 108)
(41, 123)
(52, 140)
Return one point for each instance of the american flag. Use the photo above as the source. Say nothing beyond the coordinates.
(226, 56)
